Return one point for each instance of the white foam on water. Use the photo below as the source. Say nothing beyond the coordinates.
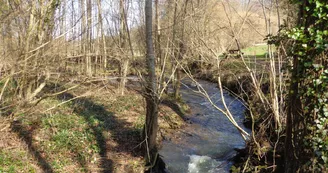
(202, 164)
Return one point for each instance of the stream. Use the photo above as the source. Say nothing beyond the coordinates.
(207, 143)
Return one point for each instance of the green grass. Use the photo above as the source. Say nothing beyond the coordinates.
(139, 124)
(65, 137)
(75, 136)
(259, 51)
(13, 161)
(254, 56)
(255, 50)
(70, 137)
(123, 103)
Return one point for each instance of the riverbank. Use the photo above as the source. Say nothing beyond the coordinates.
(208, 141)
(89, 129)
(265, 149)
(96, 130)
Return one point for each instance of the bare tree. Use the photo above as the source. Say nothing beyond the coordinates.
(124, 58)
(151, 125)
(158, 34)
(89, 39)
(102, 34)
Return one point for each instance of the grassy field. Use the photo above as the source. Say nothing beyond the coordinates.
(260, 50)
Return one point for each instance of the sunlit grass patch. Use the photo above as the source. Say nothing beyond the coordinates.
(69, 137)
(139, 124)
(127, 102)
(78, 135)
(12, 161)
(260, 51)
(63, 136)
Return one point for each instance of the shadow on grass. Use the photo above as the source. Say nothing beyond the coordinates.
(103, 123)
(26, 135)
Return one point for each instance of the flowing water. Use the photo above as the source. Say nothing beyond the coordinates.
(207, 143)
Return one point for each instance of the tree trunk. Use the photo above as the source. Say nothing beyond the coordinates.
(158, 35)
(83, 37)
(292, 163)
(151, 125)
(124, 60)
(104, 51)
(180, 52)
(173, 47)
(89, 38)
(303, 108)
(294, 112)
(160, 59)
